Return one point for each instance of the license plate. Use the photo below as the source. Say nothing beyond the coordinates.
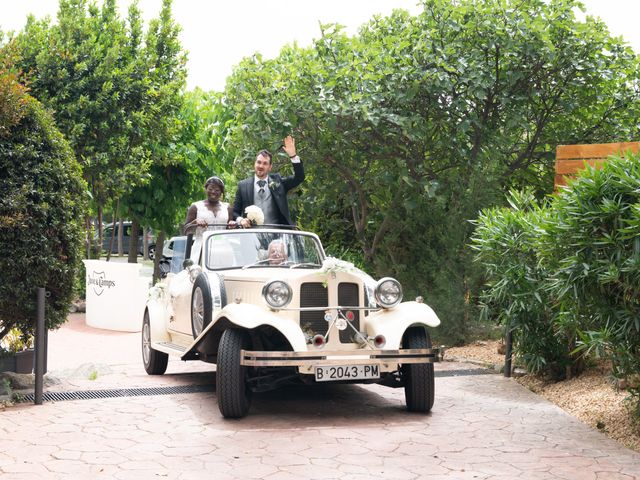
(346, 372)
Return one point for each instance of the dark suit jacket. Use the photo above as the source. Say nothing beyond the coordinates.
(244, 193)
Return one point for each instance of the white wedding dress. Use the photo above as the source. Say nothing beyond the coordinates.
(219, 218)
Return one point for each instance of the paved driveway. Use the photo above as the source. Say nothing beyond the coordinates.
(481, 427)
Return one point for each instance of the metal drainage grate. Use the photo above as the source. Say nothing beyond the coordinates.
(150, 391)
(117, 393)
(465, 372)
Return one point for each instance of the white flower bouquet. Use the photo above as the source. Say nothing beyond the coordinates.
(254, 214)
(332, 264)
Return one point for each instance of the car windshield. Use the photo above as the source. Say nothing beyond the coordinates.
(248, 249)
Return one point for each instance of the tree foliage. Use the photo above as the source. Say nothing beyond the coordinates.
(181, 166)
(42, 194)
(86, 69)
(412, 126)
(115, 91)
(516, 294)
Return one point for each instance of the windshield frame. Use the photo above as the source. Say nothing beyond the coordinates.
(225, 238)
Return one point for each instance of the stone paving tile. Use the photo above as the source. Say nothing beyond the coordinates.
(482, 427)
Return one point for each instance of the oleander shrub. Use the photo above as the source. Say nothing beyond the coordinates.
(41, 208)
(596, 236)
(506, 241)
(565, 275)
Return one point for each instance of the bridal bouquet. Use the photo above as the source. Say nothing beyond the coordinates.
(254, 214)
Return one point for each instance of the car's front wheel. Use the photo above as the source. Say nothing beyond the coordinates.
(419, 383)
(155, 362)
(234, 396)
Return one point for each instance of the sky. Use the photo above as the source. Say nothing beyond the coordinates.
(219, 33)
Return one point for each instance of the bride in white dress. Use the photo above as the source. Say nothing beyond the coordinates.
(210, 211)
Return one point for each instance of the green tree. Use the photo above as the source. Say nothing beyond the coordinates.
(411, 127)
(164, 65)
(42, 194)
(516, 294)
(115, 92)
(195, 154)
(82, 68)
(592, 241)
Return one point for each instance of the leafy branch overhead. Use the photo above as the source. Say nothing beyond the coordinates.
(412, 126)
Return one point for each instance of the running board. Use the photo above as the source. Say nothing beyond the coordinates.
(170, 348)
(185, 353)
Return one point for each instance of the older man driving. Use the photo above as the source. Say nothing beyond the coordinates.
(277, 253)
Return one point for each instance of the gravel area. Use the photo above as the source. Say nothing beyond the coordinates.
(591, 397)
(482, 352)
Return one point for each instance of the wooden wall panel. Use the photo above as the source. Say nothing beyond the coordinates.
(571, 158)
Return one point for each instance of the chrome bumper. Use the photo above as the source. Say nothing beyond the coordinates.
(338, 357)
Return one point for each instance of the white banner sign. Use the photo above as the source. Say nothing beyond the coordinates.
(116, 295)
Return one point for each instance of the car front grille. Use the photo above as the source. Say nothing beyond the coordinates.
(315, 294)
(348, 297)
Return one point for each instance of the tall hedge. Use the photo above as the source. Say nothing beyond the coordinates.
(516, 293)
(42, 195)
(565, 276)
(595, 240)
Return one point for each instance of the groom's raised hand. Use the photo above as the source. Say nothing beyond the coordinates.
(290, 146)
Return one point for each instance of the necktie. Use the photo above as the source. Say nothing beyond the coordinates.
(261, 184)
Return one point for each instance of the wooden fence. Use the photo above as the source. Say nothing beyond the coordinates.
(571, 158)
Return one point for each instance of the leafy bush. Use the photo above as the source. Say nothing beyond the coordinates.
(41, 208)
(15, 341)
(565, 276)
(506, 242)
(596, 239)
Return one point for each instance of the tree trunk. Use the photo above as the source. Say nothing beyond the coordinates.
(133, 242)
(100, 230)
(120, 237)
(156, 260)
(113, 234)
(145, 243)
(88, 237)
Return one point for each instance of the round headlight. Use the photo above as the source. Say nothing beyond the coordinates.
(388, 292)
(277, 294)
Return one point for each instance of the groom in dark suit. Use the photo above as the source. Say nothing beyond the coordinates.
(269, 190)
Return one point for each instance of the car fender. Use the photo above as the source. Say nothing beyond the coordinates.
(393, 322)
(159, 317)
(249, 316)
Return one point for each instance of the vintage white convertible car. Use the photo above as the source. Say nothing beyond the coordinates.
(269, 308)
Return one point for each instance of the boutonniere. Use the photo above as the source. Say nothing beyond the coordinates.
(273, 185)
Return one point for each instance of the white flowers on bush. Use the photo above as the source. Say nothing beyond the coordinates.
(254, 214)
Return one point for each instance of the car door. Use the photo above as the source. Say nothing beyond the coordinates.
(180, 288)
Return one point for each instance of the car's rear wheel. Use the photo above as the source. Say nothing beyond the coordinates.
(155, 362)
(200, 305)
(151, 252)
(234, 396)
(419, 383)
